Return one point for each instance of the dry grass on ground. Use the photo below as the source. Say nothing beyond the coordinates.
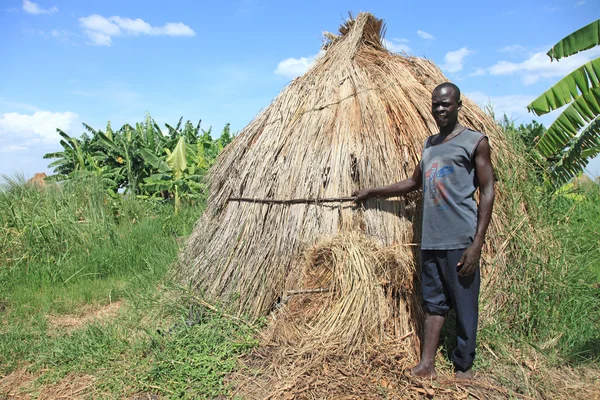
(21, 384)
(381, 372)
(66, 323)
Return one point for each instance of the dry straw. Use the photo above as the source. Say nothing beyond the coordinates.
(357, 119)
(363, 283)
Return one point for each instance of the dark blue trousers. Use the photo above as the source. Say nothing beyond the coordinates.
(443, 289)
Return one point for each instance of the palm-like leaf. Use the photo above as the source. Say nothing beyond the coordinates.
(591, 152)
(89, 129)
(142, 160)
(582, 39)
(574, 136)
(58, 154)
(578, 82)
(580, 150)
(177, 160)
(154, 160)
(568, 124)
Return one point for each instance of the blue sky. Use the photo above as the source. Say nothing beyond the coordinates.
(68, 61)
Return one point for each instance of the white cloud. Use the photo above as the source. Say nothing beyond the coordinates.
(174, 29)
(514, 48)
(514, 106)
(99, 23)
(99, 38)
(478, 72)
(294, 67)
(12, 149)
(425, 35)
(397, 45)
(100, 30)
(539, 66)
(128, 25)
(32, 8)
(511, 105)
(57, 34)
(453, 60)
(23, 130)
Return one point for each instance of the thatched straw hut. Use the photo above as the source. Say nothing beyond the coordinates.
(358, 118)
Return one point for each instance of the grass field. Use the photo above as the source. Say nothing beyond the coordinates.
(86, 299)
(88, 307)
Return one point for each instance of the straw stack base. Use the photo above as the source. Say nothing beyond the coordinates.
(356, 311)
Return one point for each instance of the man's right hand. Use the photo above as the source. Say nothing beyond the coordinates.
(360, 195)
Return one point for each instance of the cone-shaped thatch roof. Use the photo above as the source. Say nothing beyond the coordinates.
(357, 119)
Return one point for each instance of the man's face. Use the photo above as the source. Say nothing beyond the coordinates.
(445, 107)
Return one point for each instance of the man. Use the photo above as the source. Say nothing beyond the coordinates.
(454, 163)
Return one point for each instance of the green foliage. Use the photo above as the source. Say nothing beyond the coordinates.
(74, 231)
(582, 39)
(554, 304)
(569, 88)
(68, 247)
(574, 137)
(576, 209)
(192, 362)
(527, 135)
(140, 160)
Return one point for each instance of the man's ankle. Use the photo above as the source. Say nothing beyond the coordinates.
(460, 373)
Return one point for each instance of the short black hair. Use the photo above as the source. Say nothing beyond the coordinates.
(449, 85)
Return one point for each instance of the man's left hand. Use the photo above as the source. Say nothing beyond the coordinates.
(469, 260)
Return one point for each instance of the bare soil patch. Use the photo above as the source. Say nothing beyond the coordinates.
(70, 322)
(15, 385)
(20, 384)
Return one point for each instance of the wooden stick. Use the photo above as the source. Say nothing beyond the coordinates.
(293, 292)
(292, 201)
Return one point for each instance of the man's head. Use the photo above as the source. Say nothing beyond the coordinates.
(445, 104)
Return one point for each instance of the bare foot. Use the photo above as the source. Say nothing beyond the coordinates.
(468, 374)
(423, 371)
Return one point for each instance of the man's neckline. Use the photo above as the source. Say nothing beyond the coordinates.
(445, 141)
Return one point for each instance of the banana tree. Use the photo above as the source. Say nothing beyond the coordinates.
(174, 176)
(144, 160)
(574, 137)
(122, 151)
(71, 158)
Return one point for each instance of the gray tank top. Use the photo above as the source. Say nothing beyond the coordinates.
(449, 184)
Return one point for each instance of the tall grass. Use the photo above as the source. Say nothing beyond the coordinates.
(72, 243)
(68, 248)
(575, 214)
(553, 304)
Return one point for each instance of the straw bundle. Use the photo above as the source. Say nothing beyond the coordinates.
(358, 118)
(361, 282)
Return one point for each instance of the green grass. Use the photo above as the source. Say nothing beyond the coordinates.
(71, 248)
(576, 216)
(553, 304)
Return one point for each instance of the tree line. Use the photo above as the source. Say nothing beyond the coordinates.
(142, 160)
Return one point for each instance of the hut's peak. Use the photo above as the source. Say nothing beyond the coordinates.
(364, 29)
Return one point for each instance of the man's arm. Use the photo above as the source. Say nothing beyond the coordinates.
(485, 176)
(397, 189)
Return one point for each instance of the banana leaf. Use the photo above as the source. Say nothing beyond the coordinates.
(177, 160)
(582, 39)
(569, 88)
(568, 124)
